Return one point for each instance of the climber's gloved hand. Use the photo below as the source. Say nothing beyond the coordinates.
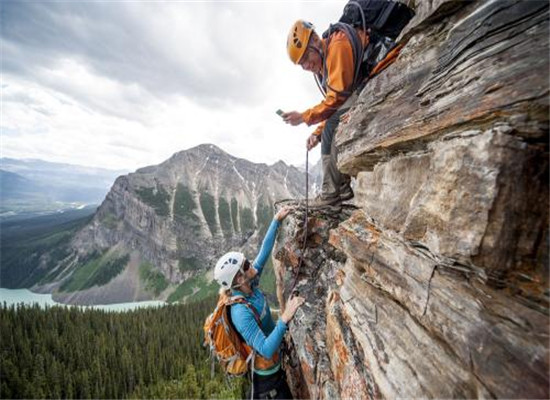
(293, 303)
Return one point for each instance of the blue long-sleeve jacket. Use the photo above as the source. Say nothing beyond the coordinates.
(265, 339)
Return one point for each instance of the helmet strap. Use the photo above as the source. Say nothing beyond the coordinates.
(318, 51)
(241, 270)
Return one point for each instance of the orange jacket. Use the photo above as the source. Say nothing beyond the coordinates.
(340, 70)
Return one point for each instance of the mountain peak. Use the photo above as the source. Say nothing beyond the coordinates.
(201, 151)
(207, 147)
(180, 214)
(280, 163)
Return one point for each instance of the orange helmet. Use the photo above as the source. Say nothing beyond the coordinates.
(298, 39)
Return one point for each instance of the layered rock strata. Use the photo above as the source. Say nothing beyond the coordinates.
(437, 284)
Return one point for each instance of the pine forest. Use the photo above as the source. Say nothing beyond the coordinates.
(76, 353)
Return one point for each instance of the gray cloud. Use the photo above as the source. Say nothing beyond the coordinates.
(22, 98)
(126, 42)
(126, 83)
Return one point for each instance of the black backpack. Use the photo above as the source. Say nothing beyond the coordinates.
(383, 20)
(385, 17)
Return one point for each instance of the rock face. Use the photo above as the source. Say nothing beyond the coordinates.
(177, 217)
(437, 284)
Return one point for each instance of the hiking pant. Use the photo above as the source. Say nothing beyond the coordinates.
(271, 386)
(333, 180)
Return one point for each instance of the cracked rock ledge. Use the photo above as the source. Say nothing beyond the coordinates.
(435, 282)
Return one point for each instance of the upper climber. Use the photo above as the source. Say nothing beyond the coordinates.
(332, 60)
(350, 51)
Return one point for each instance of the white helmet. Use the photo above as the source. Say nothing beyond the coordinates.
(227, 267)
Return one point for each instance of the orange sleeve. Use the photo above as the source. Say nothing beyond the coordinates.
(340, 70)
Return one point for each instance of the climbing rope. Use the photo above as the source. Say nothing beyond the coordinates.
(304, 240)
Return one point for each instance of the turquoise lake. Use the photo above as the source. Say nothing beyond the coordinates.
(17, 296)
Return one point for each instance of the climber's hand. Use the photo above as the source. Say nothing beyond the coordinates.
(282, 213)
(293, 118)
(290, 308)
(312, 141)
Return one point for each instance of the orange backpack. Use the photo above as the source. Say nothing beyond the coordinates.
(226, 344)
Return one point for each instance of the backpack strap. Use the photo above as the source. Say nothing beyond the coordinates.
(241, 300)
(252, 356)
(363, 19)
(385, 15)
(357, 49)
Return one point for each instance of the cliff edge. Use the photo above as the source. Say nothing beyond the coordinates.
(436, 283)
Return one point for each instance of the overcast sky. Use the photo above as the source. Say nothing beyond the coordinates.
(125, 84)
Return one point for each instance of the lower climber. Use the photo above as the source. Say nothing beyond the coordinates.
(252, 319)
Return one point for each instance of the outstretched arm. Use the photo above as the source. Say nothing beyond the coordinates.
(269, 240)
(267, 246)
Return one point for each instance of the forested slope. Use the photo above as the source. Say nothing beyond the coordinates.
(76, 353)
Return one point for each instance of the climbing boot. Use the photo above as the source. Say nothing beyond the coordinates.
(347, 195)
(346, 192)
(332, 204)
